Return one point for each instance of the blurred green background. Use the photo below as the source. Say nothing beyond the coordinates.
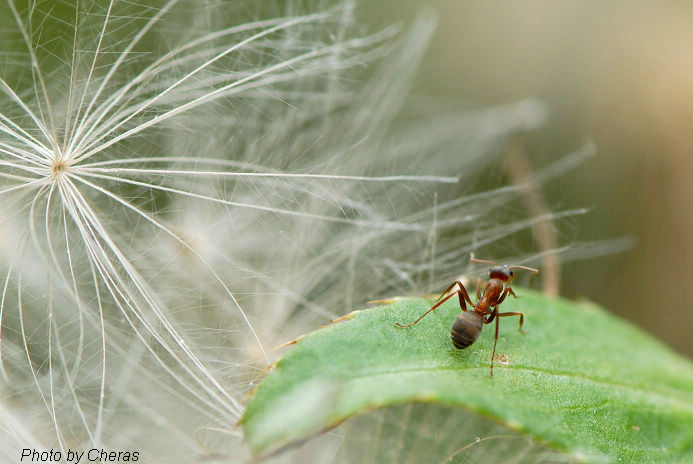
(620, 74)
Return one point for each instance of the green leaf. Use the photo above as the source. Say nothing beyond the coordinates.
(579, 379)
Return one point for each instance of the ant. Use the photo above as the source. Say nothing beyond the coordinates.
(467, 326)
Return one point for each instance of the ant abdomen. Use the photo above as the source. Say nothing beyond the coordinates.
(466, 329)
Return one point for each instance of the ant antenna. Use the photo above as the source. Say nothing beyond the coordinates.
(474, 260)
(531, 277)
(535, 271)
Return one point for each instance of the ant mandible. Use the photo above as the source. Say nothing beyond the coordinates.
(467, 326)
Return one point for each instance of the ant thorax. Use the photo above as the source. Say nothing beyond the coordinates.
(494, 288)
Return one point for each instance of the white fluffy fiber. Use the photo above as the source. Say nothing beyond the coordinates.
(185, 185)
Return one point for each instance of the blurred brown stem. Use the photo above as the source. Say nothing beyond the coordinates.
(519, 170)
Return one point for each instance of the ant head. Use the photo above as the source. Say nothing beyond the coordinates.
(502, 272)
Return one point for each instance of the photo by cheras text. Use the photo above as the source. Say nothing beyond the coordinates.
(92, 455)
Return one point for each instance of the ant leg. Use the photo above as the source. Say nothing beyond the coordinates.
(463, 294)
(495, 339)
(478, 289)
(503, 295)
(447, 290)
(522, 318)
(432, 309)
(463, 306)
(496, 315)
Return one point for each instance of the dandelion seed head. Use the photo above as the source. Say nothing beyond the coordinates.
(59, 167)
(182, 189)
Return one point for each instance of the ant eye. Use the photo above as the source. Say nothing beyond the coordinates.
(511, 273)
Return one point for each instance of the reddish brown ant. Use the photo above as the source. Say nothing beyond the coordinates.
(467, 326)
